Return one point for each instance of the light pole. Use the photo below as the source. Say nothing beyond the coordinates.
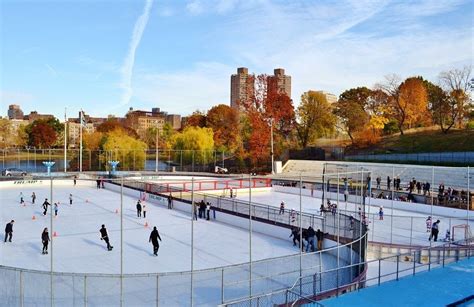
(156, 149)
(271, 143)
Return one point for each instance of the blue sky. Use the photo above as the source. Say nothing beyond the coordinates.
(108, 55)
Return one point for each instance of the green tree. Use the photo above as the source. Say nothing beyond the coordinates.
(314, 117)
(195, 139)
(350, 109)
(128, 150)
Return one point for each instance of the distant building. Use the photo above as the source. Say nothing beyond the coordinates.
(242, 87)
(34, 115)
(280, 82)
(174, 120)
(74, 131)
(15, 112)
(331, 98)
(141, 121)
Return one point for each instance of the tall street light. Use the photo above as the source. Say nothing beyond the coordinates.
(271, 143)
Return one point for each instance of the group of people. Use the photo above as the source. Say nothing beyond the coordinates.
(331, 207)
(45, 204)
(141, 208)
(308, 235)
(203, 210)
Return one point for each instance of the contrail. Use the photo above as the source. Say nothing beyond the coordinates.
(127, 67)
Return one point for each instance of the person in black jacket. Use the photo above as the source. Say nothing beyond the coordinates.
(320, 237)
(45, 206)
(104, 236)
(154, 237)
(45, 240)
(139, 209)
(310, 233)
(9, 231)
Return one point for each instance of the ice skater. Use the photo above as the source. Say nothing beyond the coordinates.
(139, 209)
(45, 206)
(428, 224)
(154, 237)
(98, 183)
(434, 231)
(45, 240)
(144, 211)
(22, 200)
(447, 237)
(33, 198)
(310, 238)
(282, 208)
(104, 236)
(9, 231)
(170, 202)
(75, 179)
(381, 213)
(320, 236)
(70, 199)
(208, 211)
(56, 208)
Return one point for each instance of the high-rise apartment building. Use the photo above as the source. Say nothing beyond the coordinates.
(15, 112)
(279, 82)
(331, 98)
(242, 87)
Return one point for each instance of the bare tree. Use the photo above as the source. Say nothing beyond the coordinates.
(457, 82)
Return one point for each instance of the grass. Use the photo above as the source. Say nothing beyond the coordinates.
(426, 141)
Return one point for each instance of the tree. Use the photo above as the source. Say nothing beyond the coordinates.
(197, 119)
(408, 101)
(350, 109)
(314, 117)
(94, 140)
(224, 122)
(113, 124)
(41, 135)
(196, 143)
(456, 82)
(130, 151)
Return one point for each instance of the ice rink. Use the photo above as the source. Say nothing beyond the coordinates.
(78, 248)
(407, 227)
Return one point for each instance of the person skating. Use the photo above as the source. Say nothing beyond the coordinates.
(428, 224)
(45, 240)
(56, 208)
(144, 211)
(154, 237)
(381, 213)
(70, 199)
(45, 206)
(75, 179)
(98, 183)
(9, 231)
(208, 211)
(22, 200)
(295, 233)
(202, 209)
(170, 202)
(310, 234)
(434, 231)
(320, 237)
(282, 208)
(104, 236)
(33, 198)
(139, 209)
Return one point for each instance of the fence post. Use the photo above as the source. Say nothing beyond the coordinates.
(411, 228)
(379, 272)
(222, 285)
(85, 290)
(444, 251)
(157, 290)
(21, 290)
(398, 262)
(414, 264)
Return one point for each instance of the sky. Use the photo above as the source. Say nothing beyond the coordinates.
(105, 56)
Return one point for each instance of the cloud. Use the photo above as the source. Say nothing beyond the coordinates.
(127, 67)
(51, 70)
(182, 92)
(195, 7)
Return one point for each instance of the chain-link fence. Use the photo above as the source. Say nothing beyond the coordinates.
(213, 286)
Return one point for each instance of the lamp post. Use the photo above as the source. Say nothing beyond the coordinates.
(271, 144)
